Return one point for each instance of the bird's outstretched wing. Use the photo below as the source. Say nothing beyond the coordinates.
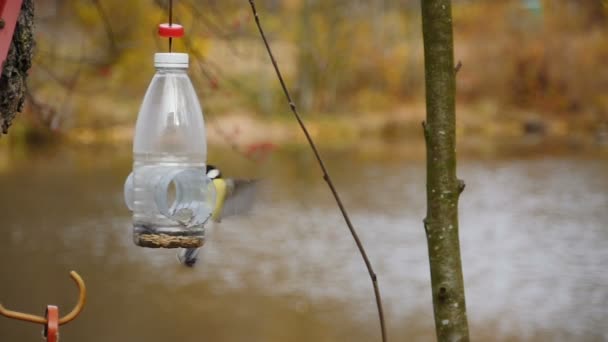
(240, 197)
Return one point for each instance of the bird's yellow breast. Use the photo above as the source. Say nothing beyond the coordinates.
(220, 198)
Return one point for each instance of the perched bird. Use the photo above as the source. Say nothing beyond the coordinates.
(233, 197)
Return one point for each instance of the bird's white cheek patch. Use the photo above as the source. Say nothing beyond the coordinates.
(213, 173)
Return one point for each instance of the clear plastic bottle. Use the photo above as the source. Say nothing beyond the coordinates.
(168, 190)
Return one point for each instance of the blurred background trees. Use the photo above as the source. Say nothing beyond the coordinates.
(528, 64)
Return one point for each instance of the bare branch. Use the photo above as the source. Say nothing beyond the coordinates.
(457, 67)
(326, 176)
(107, 25)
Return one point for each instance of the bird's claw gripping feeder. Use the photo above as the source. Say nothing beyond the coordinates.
(168, 191)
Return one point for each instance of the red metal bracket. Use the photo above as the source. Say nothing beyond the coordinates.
(9, 13)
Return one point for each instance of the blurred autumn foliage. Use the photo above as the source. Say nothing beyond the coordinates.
(528, 63)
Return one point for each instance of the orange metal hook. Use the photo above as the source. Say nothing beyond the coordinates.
(82, 298)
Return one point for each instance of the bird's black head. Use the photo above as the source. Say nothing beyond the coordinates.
(213, 172)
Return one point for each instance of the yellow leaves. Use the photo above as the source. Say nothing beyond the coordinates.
(87, 13)
(393, 71)
(133, 70)
(292, 5)
(199, 47)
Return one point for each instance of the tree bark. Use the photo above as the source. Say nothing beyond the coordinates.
(443, 188)
(13, 84)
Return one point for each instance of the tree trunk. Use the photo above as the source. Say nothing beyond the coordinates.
(443, 188)
(14, 71)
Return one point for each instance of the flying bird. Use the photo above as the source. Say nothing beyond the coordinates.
(233, 197)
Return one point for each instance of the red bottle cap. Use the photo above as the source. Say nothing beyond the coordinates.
(171, 30)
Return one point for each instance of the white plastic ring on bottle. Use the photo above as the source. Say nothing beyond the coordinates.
(194, 196)
(194, 192)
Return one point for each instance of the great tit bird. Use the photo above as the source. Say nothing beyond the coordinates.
(233, 197)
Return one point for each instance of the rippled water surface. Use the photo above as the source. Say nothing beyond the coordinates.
(534, 235)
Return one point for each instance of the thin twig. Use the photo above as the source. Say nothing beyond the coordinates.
(199, 61)
(107, 26)
(89, 61)
(204, 18)
(457, 67)
(63, 109)
(326, 177)
(209, 68)
(44, 112)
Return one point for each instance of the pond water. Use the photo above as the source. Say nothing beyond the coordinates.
(534, 235)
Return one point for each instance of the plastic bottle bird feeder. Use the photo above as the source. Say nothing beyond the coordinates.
(168, 190)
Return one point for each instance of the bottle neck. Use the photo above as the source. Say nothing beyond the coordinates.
(165, 70)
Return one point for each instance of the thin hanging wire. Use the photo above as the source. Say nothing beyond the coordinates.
(170, 23)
